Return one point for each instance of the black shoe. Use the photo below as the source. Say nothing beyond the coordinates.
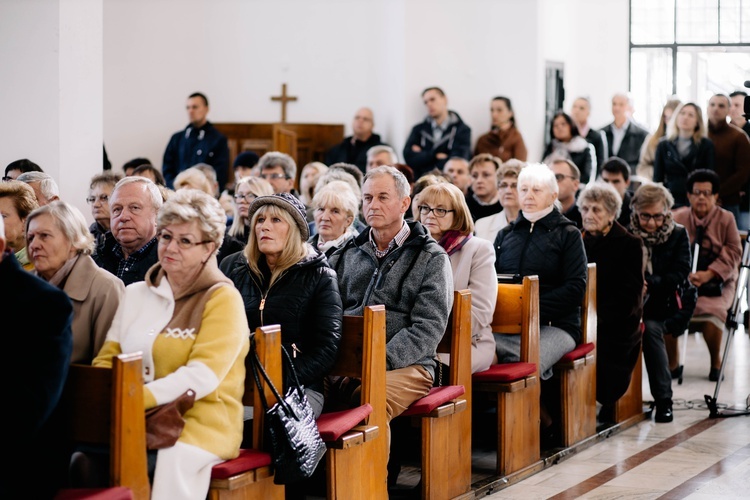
(713, 375)
(663, 411)
(677, 372)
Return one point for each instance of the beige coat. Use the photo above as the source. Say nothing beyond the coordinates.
(95, 294)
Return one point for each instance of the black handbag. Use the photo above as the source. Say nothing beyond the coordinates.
(704, 257)
(292, 435)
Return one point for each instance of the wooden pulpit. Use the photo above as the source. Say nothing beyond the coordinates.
(305, 142)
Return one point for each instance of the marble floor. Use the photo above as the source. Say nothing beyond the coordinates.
(694, 457)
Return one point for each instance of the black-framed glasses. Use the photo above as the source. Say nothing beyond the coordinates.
(562, 177)
(705, 192)
(658, 218)
(183, 243)
(439, 212)
(103, 198)
(505, 185)
(249, 197)
(269, 177)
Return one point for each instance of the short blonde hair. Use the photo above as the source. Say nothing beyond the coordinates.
(187, 205)
(195, 178)
(448, 195)
(337, 194)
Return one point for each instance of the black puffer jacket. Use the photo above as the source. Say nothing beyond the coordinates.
(551, 248)
(305, 301)
(673, 171)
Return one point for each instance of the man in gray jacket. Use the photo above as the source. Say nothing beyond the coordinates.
(399, 265)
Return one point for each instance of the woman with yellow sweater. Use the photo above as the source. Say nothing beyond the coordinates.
(189, 321)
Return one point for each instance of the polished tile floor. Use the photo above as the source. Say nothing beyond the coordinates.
(694, 457)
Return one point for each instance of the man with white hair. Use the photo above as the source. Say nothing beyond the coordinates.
(44, 186)
(378, 156)
(353, 149)
(130, 246)
(623, 136)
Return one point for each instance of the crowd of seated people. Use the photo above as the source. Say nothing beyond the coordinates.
(304, 255)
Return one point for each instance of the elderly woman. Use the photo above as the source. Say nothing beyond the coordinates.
(684, 149)
(428, 179)
(187, 319)
(618, 256)
(245, 191)
(60, 246)
(284, 280)
(566, 142)
(542, 242)
(308, 178)
(100, 189)
(443, 212)
(507, 189)
(335, 209)
(714, 231)
(17, 201)
(667, 267)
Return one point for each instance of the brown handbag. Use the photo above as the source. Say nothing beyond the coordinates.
(164, 423)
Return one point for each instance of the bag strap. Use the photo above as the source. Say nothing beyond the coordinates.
(257, 366)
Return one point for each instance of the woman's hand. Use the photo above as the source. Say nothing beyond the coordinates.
(700, 277)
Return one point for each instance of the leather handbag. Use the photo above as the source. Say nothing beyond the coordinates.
(164, 423)
(292, 435)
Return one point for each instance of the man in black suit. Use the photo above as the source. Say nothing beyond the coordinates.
(580, 112)
(353, 149)
(624, 137)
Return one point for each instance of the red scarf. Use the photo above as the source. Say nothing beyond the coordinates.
(452, 241)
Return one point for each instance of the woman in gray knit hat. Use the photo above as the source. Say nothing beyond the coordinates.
(284, 280)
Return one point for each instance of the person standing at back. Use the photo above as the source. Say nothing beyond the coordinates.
(503, 140)
(353, 149)
(580, 112)
(624, 137)
(440, 136)
(199, 142)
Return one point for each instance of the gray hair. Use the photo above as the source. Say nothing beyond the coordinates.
(187, 205)
(402, 185)
(283, 160)
(603, 193)
(106, 178)
(47, 184)
(70, 221)
(538, 175)
(337, 194)
(339, 174)
(157, 200)
(376, 150)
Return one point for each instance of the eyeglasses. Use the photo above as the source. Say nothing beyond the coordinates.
(103, 198)
(183, 243)
(505, 185)
(561, 177)
(439, 212)
(705, 192)
(269, 177)
(658, 218)
(249, 197)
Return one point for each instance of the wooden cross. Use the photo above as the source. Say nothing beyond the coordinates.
(283, 98)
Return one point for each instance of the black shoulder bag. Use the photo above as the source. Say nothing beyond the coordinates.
(292, 435)
(703, 258)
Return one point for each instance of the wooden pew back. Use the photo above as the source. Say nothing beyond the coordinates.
(516, 312)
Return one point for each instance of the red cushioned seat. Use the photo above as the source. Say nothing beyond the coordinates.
(113, 493)
(334, 424)
(505, 372)
(436, 397)
(579, 352)
(247, 460)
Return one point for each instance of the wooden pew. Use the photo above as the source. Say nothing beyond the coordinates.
(357, 456)
(444, 415)
(630, 404)
(516, 386)
(250, 475)
(576, 372)
(104, 407)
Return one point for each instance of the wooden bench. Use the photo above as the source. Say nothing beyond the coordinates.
(357, 456)
(630, 404)
(576, 372)
(103, 407)
(515, 387)
(444, 415)
(250, 475)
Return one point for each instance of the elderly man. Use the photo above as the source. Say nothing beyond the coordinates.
(398, 264)
(44, 186)
(280, 170)
(624, 137)
(353, 149)
(199, 142)
(441, 135)
(130, 245)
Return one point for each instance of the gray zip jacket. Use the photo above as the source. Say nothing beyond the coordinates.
(414, 282)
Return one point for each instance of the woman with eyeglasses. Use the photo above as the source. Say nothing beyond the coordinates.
(443, 212)
(714, 231)
(684, 149)
(188, 320)
(60, 246)
(669, 299)
(100, 190)
(245, 191)
(542, 242)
